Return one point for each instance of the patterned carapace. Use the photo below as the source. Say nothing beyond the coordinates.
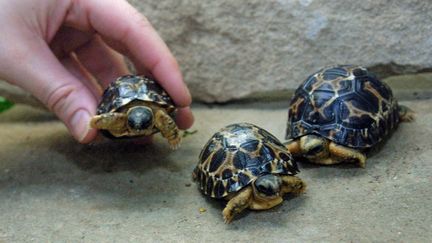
(345, 104)
(238, 154)
(133, 88)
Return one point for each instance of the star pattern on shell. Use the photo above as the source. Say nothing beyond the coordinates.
(236, 155)
(128, 88)
(346, 104)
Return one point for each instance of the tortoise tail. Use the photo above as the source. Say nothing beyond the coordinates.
(406, 114)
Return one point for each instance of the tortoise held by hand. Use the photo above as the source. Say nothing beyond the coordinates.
(136, 106)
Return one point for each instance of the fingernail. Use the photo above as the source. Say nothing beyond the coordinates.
(80, 124)
(189, 99)
(184, 118)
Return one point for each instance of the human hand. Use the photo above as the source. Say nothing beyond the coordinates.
(65, 52)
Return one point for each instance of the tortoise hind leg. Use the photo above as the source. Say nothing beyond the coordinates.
(168, 128)
(294, 147)
(340, 153)
(237, 204)
(406, 114)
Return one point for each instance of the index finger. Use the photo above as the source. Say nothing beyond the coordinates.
(120, 22)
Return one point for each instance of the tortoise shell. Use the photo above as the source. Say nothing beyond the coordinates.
(237, 155)
(130, 88)
(345, 104)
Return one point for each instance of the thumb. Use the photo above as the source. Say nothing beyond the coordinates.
(41, 73)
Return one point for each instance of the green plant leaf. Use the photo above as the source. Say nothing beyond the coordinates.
(188, 133)
(5, 104)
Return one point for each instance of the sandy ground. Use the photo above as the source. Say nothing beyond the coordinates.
(53, 189)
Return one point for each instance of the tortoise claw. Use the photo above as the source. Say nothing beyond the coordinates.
(174, 143)
(227, 216)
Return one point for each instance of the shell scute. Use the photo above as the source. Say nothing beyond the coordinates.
(217, 159)
(240, 160)
(219, 189)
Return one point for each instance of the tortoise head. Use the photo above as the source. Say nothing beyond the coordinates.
(139, 118)
(314, 148)
(267, 192)
(267, 186)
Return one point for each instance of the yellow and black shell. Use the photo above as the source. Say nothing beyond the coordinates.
(129, 88)
(238, 154)
(346, 104)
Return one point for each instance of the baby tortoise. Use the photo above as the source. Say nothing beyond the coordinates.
(338, 113)
(136, 106)
(247, 166)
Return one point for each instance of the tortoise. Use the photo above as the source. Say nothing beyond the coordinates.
(135, 105)
(339, 113)
(247, 166)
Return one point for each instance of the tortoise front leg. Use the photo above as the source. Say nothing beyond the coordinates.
(340, 153)
(168, 128)
(237, 204)
(114, 122)
(292, 184)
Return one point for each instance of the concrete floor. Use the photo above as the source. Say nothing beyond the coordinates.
(53, 189)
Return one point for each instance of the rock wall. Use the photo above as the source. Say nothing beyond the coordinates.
(230, 49)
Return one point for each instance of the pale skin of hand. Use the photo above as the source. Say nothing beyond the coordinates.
(65, 52)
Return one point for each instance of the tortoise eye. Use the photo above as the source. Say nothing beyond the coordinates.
(315, 150)
(265, 190)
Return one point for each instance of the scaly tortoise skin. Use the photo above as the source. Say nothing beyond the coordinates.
(136, 106)
(344, 109)
(248, 166)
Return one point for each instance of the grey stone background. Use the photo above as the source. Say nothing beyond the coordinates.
(231, 49)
